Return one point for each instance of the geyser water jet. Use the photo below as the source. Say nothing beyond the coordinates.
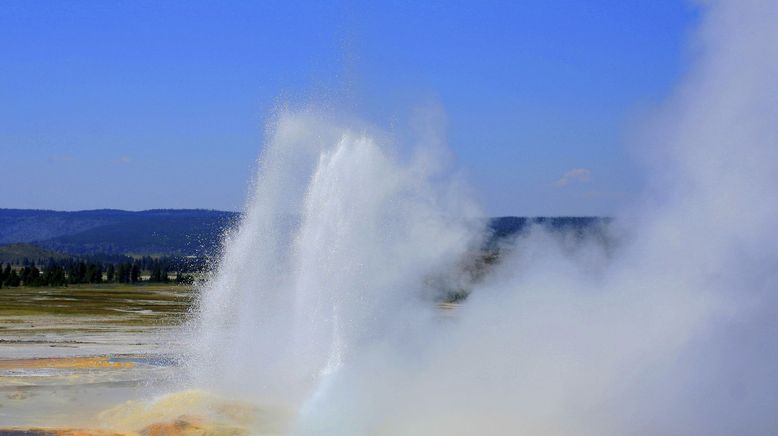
(322, 301)
(339, 235)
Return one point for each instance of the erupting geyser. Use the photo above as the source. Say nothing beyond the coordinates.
(337, 239)
(322, 305)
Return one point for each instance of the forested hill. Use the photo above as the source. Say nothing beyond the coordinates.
(107, 231)
(182, 232)
(506, 226)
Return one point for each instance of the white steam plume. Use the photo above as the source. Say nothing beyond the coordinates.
(319, 304)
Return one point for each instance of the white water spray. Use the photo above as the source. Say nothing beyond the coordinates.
(339, 235)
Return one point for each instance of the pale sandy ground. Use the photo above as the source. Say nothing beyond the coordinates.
(101, 358)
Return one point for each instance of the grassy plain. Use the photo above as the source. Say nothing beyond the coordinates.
(150, 303)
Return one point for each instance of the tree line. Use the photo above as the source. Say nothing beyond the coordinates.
(173, 263)
(63, 272)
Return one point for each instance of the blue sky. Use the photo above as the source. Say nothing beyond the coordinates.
(162, 104)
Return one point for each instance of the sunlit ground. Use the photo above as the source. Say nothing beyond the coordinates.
(102, 359)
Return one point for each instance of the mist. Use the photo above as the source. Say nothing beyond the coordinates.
(672, 331)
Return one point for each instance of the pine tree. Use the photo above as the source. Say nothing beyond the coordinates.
(156, 273)
(135, 273)
(125, 273)
(13, 279)
(54, 275)
(32, 276)
(109, 273)
(94, 273)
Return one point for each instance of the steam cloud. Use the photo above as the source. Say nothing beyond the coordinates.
(322, 302)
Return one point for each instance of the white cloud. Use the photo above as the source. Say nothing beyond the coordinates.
(574, 175)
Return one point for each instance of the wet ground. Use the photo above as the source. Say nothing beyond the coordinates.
(69, 354)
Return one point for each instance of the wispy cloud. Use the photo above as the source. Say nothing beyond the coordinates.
(574, 175)
(124, 160)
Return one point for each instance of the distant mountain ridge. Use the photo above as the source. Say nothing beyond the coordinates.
(110, 231)
(27, 225)
(187, 232)
(13, 253)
